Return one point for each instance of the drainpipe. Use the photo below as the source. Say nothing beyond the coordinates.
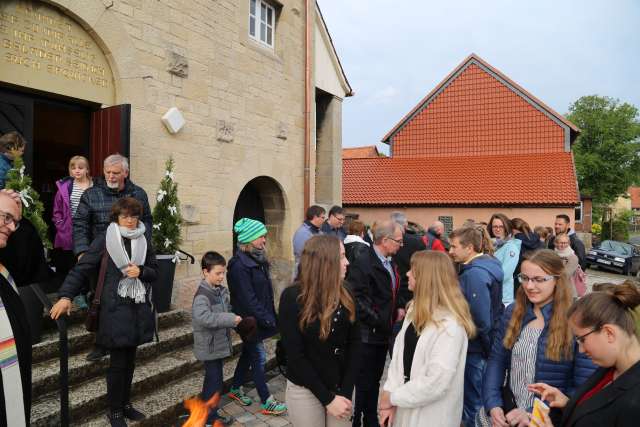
(307, 103)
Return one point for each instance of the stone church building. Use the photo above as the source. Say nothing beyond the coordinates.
(258, 84)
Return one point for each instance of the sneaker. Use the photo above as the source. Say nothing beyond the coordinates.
(238, 395)
(96, 354)
(273, 407)
(116, 419)
(132, 413)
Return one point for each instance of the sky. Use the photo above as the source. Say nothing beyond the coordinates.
(394, 52)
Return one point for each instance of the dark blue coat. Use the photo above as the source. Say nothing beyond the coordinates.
(565, 375)
(481, 283)
(252, 292)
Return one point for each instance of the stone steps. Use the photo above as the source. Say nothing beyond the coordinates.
(166, 373)
(164, 405)
(46, 374)
(80, 340)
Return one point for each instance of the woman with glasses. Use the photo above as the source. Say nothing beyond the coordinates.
(507, 250)
(127, 317)
(533, 344)
(605, 328)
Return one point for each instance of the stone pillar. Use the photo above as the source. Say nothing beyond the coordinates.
(328, 177)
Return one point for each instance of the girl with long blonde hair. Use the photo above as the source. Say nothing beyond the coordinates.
(425, 380)
(534, 344)
(321, 338)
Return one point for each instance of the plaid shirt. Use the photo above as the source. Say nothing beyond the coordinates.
(92, 215)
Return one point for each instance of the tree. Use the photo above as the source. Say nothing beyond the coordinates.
(166, 215)
(607, 151)
(32, 208)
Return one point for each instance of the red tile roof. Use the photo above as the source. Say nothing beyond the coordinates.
(495, 89)
(369, 151)
(533, 179)
(634, 194)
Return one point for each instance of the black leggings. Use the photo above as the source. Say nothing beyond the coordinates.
(120, 376)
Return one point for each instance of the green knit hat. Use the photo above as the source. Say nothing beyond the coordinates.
(249, 230)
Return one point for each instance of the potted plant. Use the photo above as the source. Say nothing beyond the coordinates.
(166, 237)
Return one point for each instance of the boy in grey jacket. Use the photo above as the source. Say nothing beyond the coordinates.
(211, 319)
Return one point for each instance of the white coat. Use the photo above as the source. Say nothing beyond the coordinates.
(433, 395)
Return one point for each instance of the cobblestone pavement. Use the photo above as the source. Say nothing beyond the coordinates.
(251, 416)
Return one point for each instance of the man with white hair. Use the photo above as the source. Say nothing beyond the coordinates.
(94, 209)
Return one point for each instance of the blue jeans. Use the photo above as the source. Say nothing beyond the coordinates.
(212, 384)
(252, 358)
(473, 373)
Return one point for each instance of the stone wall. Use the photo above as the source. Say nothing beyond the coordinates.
(243, 104)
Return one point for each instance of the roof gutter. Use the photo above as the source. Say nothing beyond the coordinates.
(307, 104)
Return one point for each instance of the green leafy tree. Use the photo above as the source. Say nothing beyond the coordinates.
(617, 228)
(32, 207)
(166, 214)
(607, 151)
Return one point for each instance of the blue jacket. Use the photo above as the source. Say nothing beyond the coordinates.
(481, 283)
(5, 166)
(300, 237)
(565, 375)
(509, 257)
(252, 292)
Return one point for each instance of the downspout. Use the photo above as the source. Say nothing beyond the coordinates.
(307, 104)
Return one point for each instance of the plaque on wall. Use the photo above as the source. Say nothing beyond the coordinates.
(42, 48)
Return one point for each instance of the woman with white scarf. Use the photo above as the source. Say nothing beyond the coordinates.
(562, 247)
(127, 317)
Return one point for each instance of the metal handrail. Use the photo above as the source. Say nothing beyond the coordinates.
(62, 324)
(189, 256)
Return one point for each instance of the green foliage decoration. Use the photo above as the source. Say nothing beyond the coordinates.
(166, 214)
(32, 208)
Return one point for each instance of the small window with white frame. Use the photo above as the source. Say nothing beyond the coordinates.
(578, 213)
(262, 20)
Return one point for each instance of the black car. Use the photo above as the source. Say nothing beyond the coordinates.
(617, 256)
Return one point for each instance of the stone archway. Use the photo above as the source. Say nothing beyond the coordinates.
(263, 198)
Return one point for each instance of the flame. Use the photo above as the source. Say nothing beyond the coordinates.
(199, 410)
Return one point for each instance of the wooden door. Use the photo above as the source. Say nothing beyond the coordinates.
(110, 134)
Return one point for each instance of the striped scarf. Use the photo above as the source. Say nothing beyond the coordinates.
(13, 400)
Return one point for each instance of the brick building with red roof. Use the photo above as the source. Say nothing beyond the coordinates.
(476, 144)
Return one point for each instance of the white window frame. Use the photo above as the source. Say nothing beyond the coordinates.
(260, 20)
(581, 207)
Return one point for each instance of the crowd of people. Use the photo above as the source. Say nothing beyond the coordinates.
(477, 323)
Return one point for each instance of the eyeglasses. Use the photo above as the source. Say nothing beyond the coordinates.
(581, 338)
(538, 279)
(128, 217)
(400, 242)
(6, 219)
(500, 226)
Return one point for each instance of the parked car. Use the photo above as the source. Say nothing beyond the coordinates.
(635, 241)
(617, 256)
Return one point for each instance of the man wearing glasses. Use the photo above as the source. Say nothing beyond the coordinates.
(333, 224)
(374, 281)
(15, 340)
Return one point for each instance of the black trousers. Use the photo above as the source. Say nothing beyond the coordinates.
(120, 376)
(372, 360)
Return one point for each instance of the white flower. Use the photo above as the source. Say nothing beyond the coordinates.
(25, 197)
(176, 258)
(169, 174)
(22, 169)
(173, 210)
(167, 242)
(161, 194)
(157, 226)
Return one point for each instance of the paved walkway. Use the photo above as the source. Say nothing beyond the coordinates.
(250, 415)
